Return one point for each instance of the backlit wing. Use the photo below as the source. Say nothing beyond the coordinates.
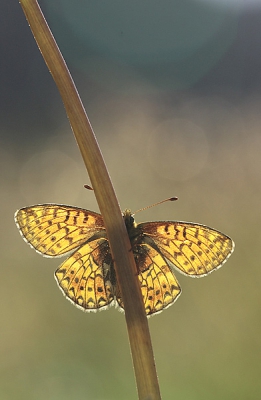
(82, 277)
(159, 287)
(194, 249)
(54, 230)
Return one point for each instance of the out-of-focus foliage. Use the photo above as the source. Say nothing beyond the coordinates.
(201, 144)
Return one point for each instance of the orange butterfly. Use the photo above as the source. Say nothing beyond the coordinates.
(87, 278)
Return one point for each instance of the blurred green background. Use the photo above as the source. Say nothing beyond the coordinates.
(173, 91)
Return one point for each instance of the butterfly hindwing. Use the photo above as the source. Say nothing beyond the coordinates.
(193, 249)
(54, 230)
(159, 286)
(84, 279)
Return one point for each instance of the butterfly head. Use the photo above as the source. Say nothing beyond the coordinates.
(129, 220)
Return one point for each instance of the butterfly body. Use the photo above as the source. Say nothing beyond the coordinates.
(88, 277)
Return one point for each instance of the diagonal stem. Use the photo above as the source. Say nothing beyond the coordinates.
(137, 324)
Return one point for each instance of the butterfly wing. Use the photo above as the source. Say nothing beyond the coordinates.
(85, 277)
(194, 249)
(159, 286)
(54, 230)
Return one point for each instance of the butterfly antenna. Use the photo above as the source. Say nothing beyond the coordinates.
(88, 187)
(156, 204)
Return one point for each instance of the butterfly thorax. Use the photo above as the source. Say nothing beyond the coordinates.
(137, 239)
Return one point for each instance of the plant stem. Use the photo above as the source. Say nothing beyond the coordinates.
(137, 324)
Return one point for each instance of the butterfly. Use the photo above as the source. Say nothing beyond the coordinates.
(87, 277)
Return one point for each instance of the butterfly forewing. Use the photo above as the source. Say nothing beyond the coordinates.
(194, 249)
(54, 230)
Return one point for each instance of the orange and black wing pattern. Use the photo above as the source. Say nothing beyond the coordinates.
(87, 278)
(54, 230)
(193, 249)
